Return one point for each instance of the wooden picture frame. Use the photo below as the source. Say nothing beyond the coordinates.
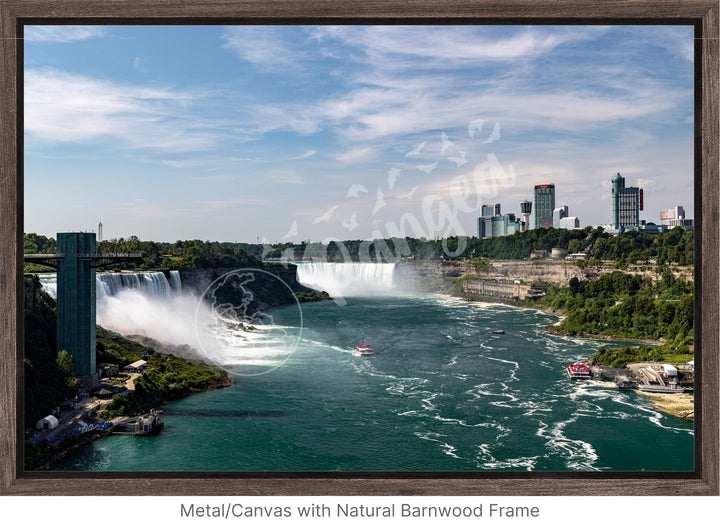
(702, 14)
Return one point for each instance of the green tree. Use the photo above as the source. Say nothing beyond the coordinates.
(66, 367)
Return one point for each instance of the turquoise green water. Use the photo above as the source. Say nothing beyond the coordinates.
(442, 393)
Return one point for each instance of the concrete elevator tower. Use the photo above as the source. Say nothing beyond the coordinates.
(75, 261)
(76, 300)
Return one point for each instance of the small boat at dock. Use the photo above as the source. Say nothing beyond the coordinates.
(655, 388)
(149, 424)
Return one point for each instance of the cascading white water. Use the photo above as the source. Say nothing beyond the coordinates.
(153, 305)
(347, 279)
(146, 303)
(153, 284)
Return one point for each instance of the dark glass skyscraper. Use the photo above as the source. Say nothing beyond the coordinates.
(627, 202)
(544, 205)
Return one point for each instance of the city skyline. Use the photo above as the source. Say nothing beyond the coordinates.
(297, 133)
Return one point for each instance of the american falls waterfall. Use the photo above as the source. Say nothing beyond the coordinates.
(148, 304)
(154, 284)
(156, 306)
(347, 279)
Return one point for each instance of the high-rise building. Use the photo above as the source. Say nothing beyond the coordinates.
(505, 225)
(544, 205)
(627, 202)
(487, 212)
(485, 227)
(492, 223)
(99, 233)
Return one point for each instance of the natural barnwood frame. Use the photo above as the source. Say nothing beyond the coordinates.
(702, 14)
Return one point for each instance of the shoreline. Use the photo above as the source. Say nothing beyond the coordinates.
(558, 314)
(83, 440)
(677, 405)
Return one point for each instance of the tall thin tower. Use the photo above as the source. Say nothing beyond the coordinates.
(99, 235)
(526, 209)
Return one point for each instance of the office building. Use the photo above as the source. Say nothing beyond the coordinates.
(561, 220)
(675, 217)
(484, 227)
(559, 214)
(627, 202)
(495, 224)
(544, 205)
(505, 225)
(487, 212)
(569, 222)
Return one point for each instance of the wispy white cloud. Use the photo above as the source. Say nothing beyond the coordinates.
(266, 46)
(357, 155)
(305, 155)
(63, 107)
(59, 34)
(451, 45)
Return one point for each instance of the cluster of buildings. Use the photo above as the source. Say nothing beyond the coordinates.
(491, 223)
(627, 202)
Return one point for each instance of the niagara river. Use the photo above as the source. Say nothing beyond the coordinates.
(443, 392)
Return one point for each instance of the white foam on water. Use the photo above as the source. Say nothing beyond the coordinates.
(153, 305)
(579, 455)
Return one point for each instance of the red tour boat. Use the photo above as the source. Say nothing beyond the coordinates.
(578, 371)
(365, 349)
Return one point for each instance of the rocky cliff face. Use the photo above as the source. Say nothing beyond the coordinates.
(559, 272)
(438, 275)
(430, 275)
(268, 291)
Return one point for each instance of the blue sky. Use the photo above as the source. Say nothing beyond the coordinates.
(283, 133)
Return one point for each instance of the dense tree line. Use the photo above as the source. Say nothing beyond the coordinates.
(183, 254)
(669, 247)
(623, 305)
(675, 246)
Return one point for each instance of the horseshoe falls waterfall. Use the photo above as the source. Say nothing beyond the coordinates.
(343, 279)
(443, 391)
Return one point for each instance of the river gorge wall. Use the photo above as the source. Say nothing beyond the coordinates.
(440, 275)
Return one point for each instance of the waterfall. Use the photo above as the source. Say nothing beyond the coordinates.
(153, 284)
(340, 279)
(149, 304)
